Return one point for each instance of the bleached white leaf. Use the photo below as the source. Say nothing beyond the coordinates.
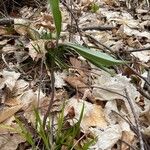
(9, 79)
(59, 79)
(27, 98)
(143, 56)
(107, 137)
(21, 26)
(114, 88)
(130, 32)
(20, 87)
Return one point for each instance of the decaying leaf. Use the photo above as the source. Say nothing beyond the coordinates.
(93, 115)
(21, 26)
(8, 112)
(107, 137)
(37, 48)
(9, 79)
(10, 142)
(77, 83)
(127, 137)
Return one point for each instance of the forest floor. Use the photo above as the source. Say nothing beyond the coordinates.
(116, 105)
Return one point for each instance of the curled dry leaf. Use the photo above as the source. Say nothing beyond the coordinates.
(93, 115)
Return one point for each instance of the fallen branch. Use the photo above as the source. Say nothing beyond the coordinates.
(6, 21)
(99, 28)
(136, 120)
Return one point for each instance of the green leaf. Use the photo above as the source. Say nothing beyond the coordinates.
(54, 4)
(97, 58)
(94, 7)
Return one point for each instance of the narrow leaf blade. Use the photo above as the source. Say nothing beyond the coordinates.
(54, 4)
(95, 57)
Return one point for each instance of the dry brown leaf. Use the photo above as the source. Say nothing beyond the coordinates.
(21, 26)
(8, 112)
(3, 31)
(37, 48)
(12, 102)
(93, 114)
(127, 137)
(10, 142)
(77, 83)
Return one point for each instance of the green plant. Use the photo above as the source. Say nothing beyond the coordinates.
(55, 51)
(94, 7)
(62, 136)
(97, 58)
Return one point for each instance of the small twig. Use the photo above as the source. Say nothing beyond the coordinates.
(100, 28)
(98, 87)
(76, 22)
(41, 73)
(136, 120)
(139, 50)
(127, 144)
(78, 141)
(52, 97)
(6, 21)
(98, 42)
(133, 128)
(142, 92)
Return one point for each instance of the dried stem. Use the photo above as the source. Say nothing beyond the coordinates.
(139, 50)
(76, 22)
(136, 121)
(52, 97)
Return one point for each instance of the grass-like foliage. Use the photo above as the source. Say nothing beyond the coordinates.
(47, 135)
(64, 135)
(97, 58)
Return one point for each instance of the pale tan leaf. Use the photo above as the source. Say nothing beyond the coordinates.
(8, 112)
(10, 142)
(93, 115)
(107, 137)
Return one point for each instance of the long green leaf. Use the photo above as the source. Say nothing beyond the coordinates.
(54, 5)
(95, 57)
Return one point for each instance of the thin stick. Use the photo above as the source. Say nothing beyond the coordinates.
(139, 50)
(100, 28)
(136, 120)
(142, 92)
(76, 22)
(78, 141)
(40, 85)
(52, 97)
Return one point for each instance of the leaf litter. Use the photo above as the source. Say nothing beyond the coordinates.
(111, 102)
